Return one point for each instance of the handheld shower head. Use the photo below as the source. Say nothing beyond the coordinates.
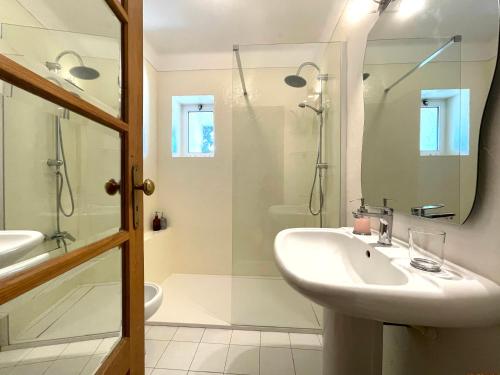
(317, 110)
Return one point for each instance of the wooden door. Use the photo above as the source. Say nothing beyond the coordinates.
(128, 355)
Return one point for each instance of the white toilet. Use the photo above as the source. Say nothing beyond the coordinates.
(153, 297)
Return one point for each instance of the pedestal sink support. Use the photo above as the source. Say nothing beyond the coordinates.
(352, 346)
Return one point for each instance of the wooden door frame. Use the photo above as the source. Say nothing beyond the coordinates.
(128, 355)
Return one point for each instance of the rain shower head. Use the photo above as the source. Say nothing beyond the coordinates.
(84, 72)
(296, 80)
(80, 71)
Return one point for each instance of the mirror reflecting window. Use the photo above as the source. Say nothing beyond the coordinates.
(427, 75)
(76, 47)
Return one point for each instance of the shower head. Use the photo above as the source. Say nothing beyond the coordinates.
(84, 72)
(296, 80)
(80, 71)
(318, 111)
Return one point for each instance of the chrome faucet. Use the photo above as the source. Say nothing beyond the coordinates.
(386, 217)
(422, 212)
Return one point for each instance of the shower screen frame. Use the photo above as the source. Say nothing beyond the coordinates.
(128, 355)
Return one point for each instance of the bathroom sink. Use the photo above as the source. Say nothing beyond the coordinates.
(361, 285)
(352, 275)
(14, 244)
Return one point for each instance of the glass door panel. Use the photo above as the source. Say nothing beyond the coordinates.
(55, 167)
(70, 323)
(76, 47)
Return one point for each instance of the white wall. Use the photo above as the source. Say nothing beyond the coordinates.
(195, 193)
(473, 245)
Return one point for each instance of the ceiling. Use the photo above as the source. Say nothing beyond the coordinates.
(475, 20)
(213, 26)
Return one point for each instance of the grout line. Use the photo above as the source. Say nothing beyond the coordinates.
(196, 351)
(227, 355)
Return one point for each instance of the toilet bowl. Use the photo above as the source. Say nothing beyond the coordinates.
(153, 296)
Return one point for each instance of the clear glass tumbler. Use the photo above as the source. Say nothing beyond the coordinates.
(426, 249)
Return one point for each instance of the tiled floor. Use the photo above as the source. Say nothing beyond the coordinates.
(77, 358)
(231, 300)
(200, 351)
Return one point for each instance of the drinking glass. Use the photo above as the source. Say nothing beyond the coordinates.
(426, 249)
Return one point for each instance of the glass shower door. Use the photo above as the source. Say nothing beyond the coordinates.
(275, 145)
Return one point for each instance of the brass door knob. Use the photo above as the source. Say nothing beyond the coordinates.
(148, 187)
(112, 187)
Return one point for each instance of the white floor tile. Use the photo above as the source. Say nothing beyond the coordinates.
(275, 339)
(217, 336)
(308, 362)
(44, 353)
(31, 369)
(81, 348)
(304, 341)
(178, 355)
(245, 338)
(210, 357)
(161, 333)
(188, 334)
(242, 360)
(204, 373)
(93, 364)
(148, 371)
(107, 345)
(168, 372)
(11, 357)
(67, 366)
(276, 361)
(154, 350)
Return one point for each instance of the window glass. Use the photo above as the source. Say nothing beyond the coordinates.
(201, 132)
(429, 129)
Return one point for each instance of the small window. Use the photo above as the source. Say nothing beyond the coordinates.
(193, 128)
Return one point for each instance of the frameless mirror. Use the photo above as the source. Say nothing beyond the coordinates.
(75, 47)
(427, 74)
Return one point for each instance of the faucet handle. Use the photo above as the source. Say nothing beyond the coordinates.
(362, 200)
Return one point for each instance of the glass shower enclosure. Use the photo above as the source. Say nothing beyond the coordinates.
(276, 176)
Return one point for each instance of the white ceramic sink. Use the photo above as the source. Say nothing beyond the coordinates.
(14, 244)
(361, 285)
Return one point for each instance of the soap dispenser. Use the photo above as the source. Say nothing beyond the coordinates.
(156, 222)
(361, 222)
(163, 221)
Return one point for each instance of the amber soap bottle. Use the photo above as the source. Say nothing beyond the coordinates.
(156, 222)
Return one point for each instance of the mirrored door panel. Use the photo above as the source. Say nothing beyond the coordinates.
(56, 164)
(75, 47)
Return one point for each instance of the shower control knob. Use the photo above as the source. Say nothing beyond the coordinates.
(148, 187)
(112, 187)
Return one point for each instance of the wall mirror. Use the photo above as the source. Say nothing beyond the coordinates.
(428, 70)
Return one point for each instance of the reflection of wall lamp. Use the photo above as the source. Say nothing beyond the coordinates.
(382, 4)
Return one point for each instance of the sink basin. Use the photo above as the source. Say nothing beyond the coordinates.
(362, 284)
(14, 244)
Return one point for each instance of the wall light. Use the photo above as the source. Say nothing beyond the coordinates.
(409, 8)
(358, 9)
